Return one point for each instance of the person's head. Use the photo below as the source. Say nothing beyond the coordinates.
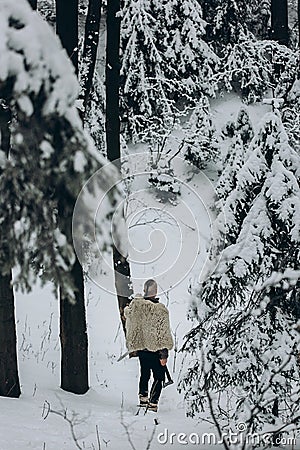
(150, 288)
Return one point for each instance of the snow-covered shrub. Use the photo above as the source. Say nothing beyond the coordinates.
(162, 178)
(166, 65)
(244, 127)
(232, 164)
(248, 66)
(242, 133)
(245, 346)
(201, 141)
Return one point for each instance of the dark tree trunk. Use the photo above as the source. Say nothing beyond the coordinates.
(9, 378)
(89, 56)
(113, 81)
(275, 411)
(73, 329)
(121, 264)
(299, 23)
(33, 4)
(122, 282)
(67, 27)
(279, 21)
(73, 338)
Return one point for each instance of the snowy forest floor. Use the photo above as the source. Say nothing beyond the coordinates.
(110, 404)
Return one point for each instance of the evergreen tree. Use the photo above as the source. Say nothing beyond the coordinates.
(73, 328)
(113, 139)
(50, 157)
(244, 126)
(242, 133)
(259, 18)
(201, 141)
(226, 21)
(165, 63)
(288, 89)
(249, 66)
(162, 177)
(246, 334)
(232, 164)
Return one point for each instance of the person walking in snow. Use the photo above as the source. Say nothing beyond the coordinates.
(148, 333)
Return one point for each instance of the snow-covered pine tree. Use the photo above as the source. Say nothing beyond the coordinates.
(51, 156)
(226, 19)
(166, 65)
(258, 19)
(247, 342)
(201, 141)
(162, 177)
(232, 164)
(242, 133)
(249, 66)
(244, 127)
(288, 89)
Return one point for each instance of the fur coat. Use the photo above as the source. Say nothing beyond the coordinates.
(147, 326)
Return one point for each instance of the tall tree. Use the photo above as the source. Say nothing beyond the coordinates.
(121, 264)
(50, 161)
(67, 27)
(73, 328)
(166, 65)
(242, 316)
(9, 378)
(279, 21)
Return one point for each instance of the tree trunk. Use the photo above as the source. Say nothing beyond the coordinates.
(279, 21)
(67, 27)
(276, 436)
(299, 23)
(9, 377)
(122, 282)
(121, 264)
(33, 4)
(113, 81)
(73, 329)
(89, 56)
(73, 338)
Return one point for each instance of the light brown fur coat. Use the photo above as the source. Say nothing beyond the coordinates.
(147, 326)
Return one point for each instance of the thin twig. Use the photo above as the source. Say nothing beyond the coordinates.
(98, 438)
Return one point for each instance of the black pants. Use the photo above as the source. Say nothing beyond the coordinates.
(150, 361)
